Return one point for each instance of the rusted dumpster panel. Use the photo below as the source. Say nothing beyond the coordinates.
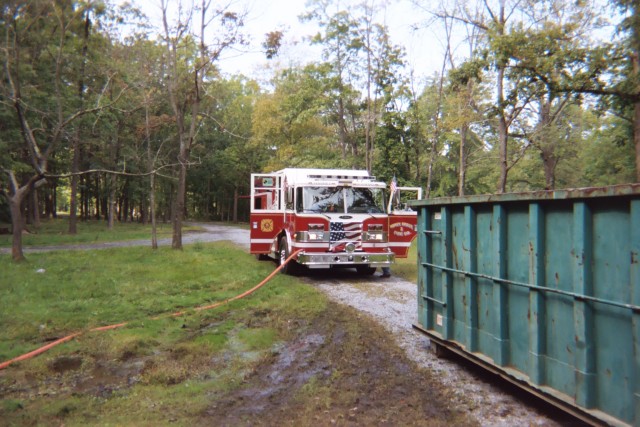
(543, 288)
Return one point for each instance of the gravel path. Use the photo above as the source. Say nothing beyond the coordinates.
(213, 233)
(393, 303)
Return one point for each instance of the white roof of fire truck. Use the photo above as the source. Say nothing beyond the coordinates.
(302, 176)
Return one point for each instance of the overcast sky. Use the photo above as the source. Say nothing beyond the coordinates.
(424, 50)
(269, 15)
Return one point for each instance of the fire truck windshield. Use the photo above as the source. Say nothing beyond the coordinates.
(340, 200)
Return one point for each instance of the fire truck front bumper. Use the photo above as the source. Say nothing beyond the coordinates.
(312, 259)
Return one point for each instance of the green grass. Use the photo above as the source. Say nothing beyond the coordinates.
(55, 232)
(187, 359)
(57, 293)
(407, 267)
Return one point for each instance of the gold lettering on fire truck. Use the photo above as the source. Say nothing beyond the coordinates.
(266, 225)
(402, 229)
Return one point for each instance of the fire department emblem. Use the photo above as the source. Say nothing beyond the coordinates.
(266, 225)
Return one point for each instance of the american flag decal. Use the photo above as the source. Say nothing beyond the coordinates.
(342, 233)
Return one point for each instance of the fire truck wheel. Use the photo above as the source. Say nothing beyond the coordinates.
(365, 270)
(283, 253)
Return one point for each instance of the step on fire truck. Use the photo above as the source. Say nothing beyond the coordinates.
(334, 217)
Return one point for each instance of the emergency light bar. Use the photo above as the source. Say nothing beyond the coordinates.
(362, 178)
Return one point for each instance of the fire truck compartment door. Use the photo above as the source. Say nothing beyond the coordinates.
(403, 221)
(267, 210)
(267, 193)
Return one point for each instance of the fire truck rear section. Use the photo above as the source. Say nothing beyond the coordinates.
(333, 217)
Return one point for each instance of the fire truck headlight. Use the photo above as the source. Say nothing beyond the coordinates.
(374, 237)
(315, 233)
(310, 236)
(375, 233)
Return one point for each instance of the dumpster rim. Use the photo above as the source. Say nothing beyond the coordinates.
(560, 194)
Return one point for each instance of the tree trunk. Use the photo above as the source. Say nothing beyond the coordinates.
(636, 108)
(235, 204)
(503, 137)
(152, 179)
(96, 196)
(35, 208)
(16, 198)
(432, 159)
(462, 174)
(125, 201)
(342, 128)
(85, 192)
(112, 201)
(17, 224)
(28, 210)
(113, 179)
(636, 137)
(132, 208)
(152, 207)
(549, 164)
(178, 216)
(104, 200)
(207, 206)
(544, 143)
(170, 204)
(73, 198)
(119, 206)
(54, 202)
(49, 197)
(75, 167)
(143, 212)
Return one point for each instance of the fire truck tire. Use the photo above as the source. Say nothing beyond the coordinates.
(365, 270)
(283, 253)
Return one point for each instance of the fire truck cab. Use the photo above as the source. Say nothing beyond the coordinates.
(333, 217)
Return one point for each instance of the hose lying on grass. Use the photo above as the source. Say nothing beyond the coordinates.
(42, 349)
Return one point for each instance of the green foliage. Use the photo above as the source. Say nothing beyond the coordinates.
(293, 125)
(353, 109)
(5, 214)
(609, 156)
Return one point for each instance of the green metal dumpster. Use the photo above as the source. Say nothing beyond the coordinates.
(542, 288)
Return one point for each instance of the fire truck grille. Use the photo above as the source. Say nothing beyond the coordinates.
(342, 233)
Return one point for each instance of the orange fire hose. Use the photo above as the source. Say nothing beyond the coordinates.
(42, 349)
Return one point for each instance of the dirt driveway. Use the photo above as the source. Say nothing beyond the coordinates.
(392, 304)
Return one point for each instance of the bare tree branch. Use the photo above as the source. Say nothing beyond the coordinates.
(119, 173)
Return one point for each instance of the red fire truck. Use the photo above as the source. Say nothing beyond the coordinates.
(334, 217)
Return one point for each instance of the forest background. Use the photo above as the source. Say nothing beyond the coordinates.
(103, 115)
